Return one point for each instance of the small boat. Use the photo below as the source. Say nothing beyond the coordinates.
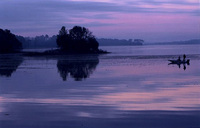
(180, 61)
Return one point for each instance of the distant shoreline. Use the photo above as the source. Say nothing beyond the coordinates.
(187, 42)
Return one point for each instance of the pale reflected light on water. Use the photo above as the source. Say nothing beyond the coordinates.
(114, 90)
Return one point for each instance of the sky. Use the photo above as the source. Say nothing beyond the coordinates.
(150, 20)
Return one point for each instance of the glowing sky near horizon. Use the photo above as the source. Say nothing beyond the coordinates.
(151, 20)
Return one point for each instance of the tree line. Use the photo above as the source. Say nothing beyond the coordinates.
(77, 39)
(43, 41)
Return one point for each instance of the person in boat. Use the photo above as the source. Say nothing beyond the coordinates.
(184, 56)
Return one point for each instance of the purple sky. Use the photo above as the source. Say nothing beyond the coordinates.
(151, 20)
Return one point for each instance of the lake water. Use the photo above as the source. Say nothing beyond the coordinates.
(134, 86)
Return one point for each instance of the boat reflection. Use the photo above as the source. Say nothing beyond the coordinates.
(9, 64)
(179, 63)
(78, 68)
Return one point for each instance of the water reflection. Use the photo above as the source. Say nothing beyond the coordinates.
(77, 68)
(9, 64)
(179, 65)
(123, 92)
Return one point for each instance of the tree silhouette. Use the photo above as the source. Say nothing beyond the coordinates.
(78, 39)
(8, 42)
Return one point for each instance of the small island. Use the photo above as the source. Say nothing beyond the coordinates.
(78, 40)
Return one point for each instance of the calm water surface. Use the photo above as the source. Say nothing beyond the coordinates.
(132, 87)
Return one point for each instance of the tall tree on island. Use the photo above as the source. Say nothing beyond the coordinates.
(8, 42)
(78, 39)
